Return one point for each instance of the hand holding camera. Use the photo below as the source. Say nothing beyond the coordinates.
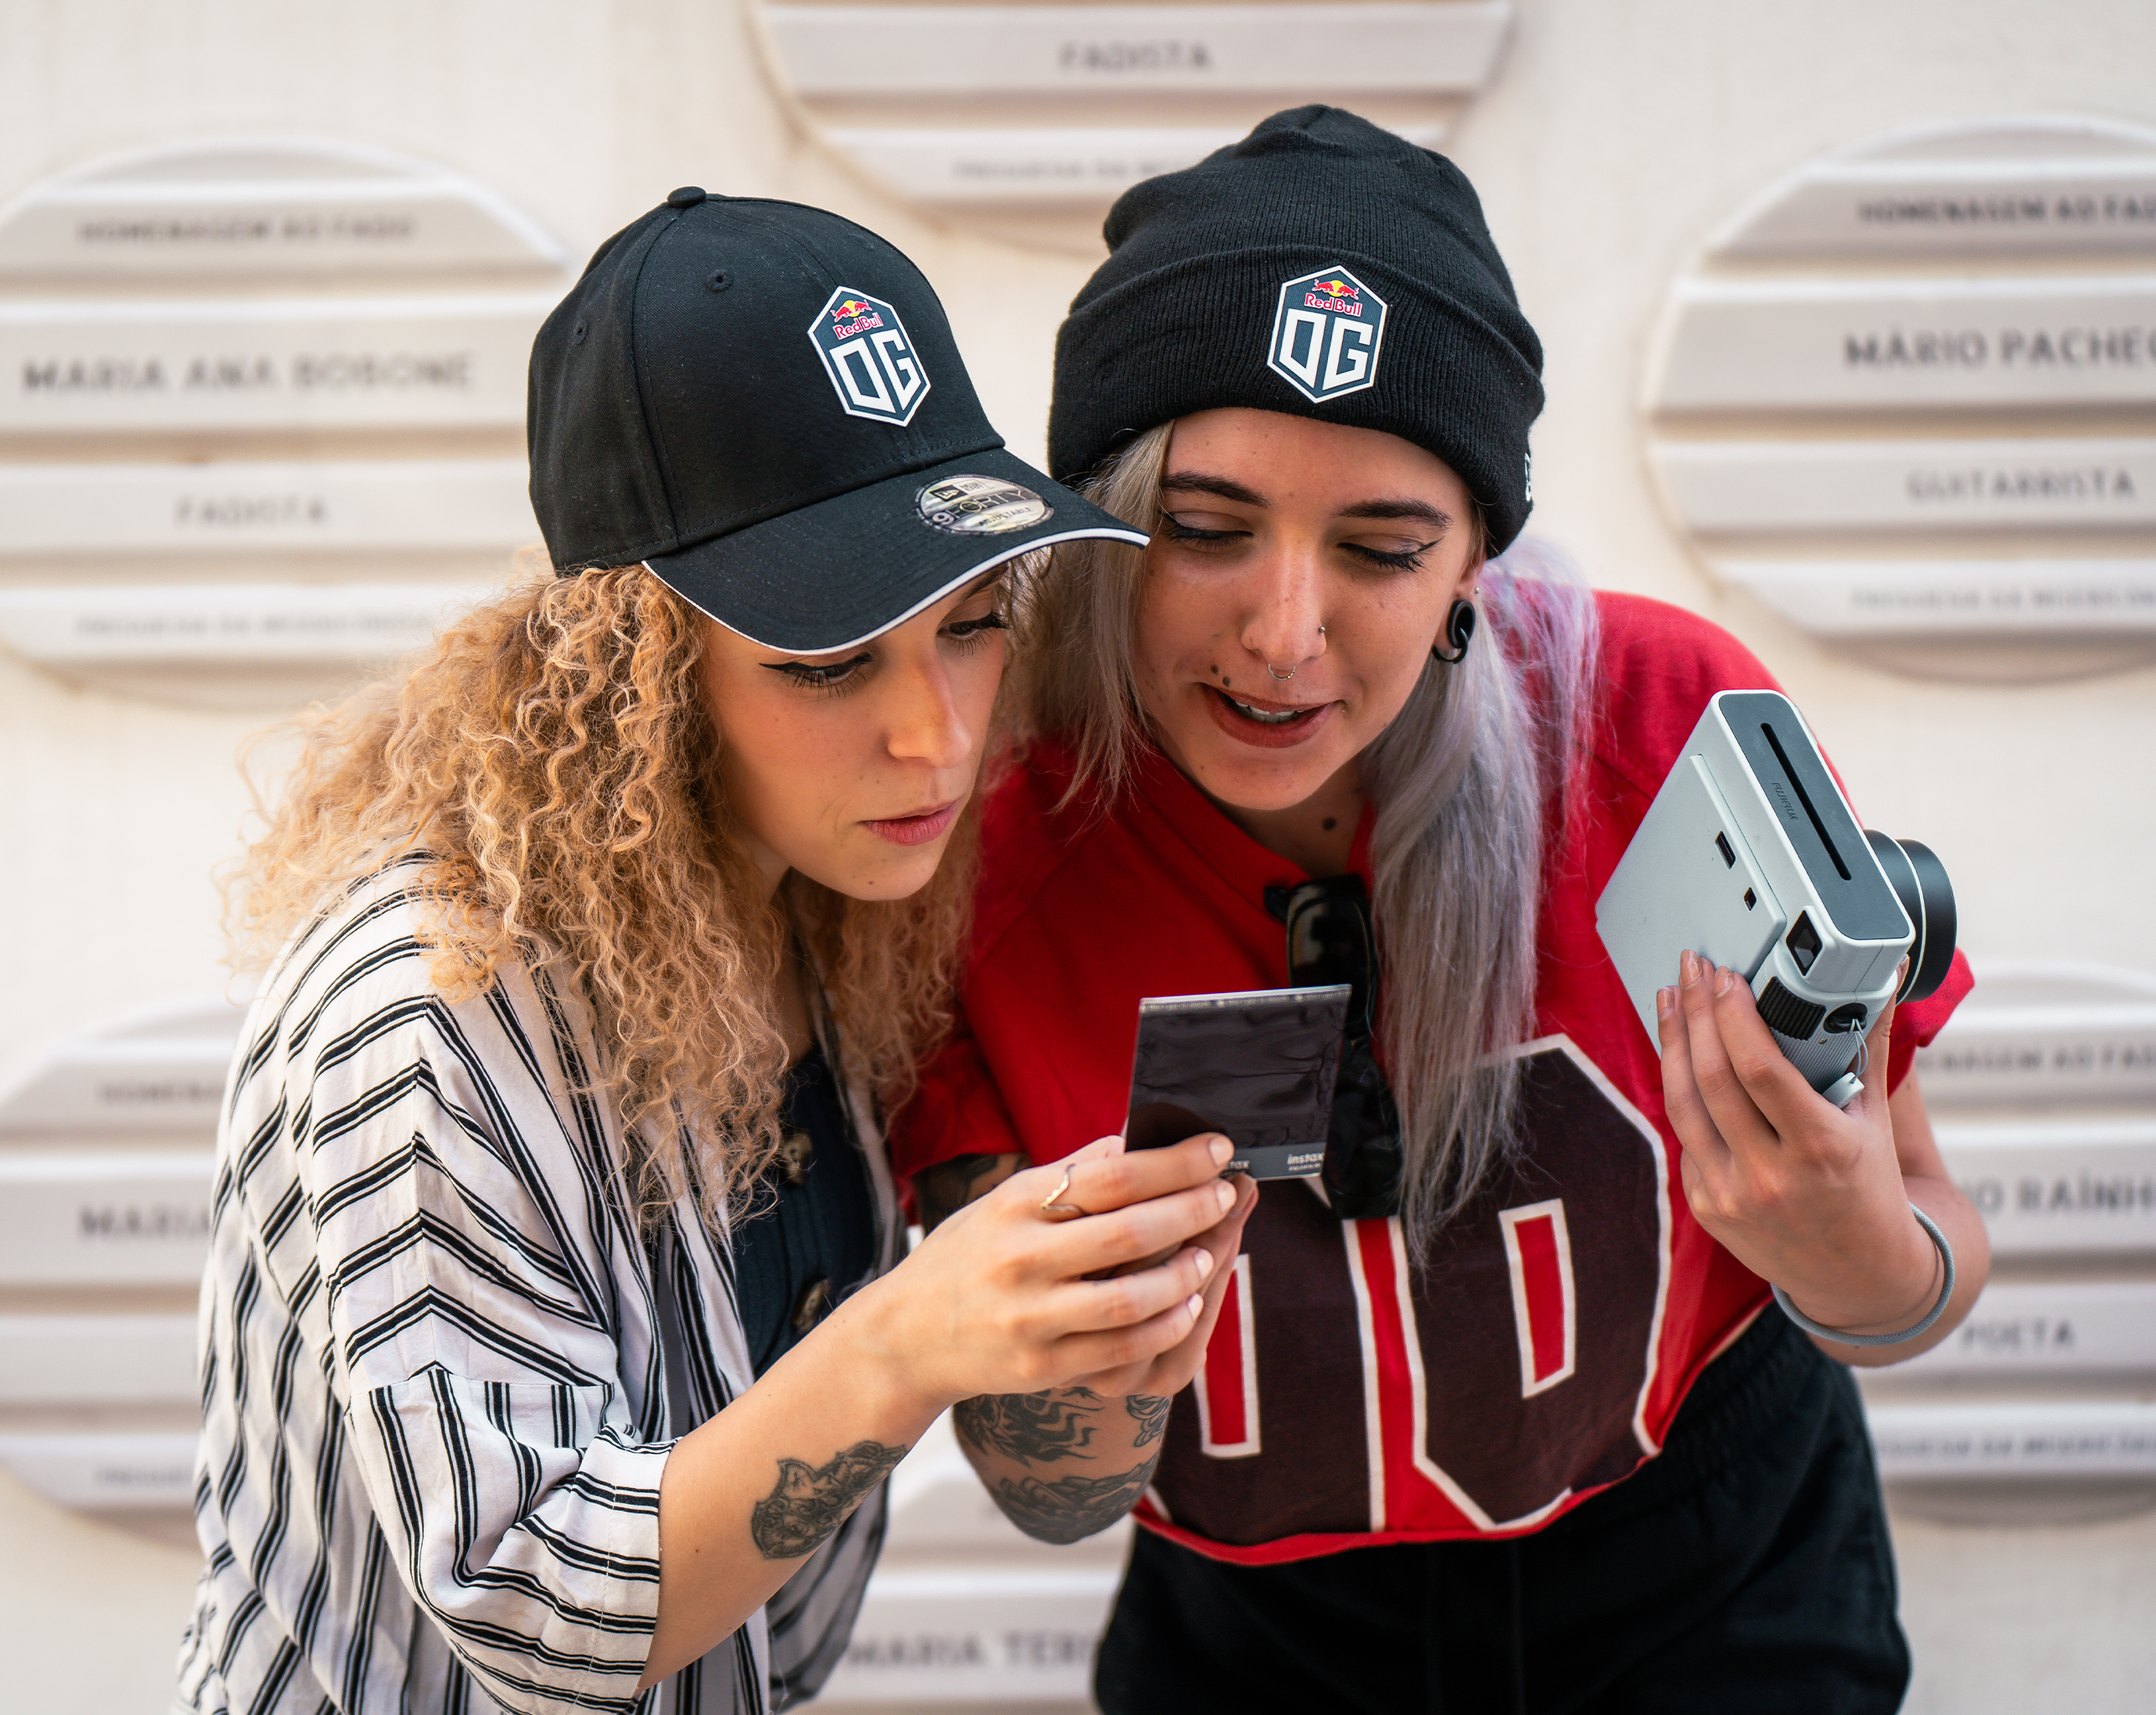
(1751, 858)
(1792, 934)
(1808, 1196)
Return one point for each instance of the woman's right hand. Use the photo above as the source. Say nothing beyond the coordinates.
(1001, 1298)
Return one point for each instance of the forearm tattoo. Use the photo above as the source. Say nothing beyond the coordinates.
(1041, 1428)
(1151, 1411)
(941, 1192)
(1072, 1506)
(811, 1502)
(1038, 1429)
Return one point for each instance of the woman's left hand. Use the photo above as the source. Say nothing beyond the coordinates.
(1811, 1197)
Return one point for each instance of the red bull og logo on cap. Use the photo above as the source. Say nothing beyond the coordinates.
(1325, 334)
(868, 357)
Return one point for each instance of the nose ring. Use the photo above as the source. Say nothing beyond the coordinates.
(1291, 673)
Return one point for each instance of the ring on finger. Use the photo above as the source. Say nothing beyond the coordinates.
(1054, 1207)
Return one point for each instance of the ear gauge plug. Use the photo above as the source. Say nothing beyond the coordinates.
(1459, 632)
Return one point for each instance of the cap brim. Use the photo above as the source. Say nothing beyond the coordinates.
(842, 571)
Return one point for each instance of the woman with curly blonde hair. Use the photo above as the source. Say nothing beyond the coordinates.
(555, 1337)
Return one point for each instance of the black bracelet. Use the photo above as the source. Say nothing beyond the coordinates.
(1938, 1309)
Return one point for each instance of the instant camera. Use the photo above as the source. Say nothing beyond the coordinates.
(1750, 857)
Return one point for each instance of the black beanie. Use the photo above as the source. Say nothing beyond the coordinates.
(1322, 267)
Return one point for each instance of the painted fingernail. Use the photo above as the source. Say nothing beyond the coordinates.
(1205, 1263)
(1722, 982)
(1665, 1003)
(1220, 1150)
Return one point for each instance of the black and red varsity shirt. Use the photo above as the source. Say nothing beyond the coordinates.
(1350, 1394)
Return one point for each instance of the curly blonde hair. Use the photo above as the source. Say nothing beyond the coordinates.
(551, 762)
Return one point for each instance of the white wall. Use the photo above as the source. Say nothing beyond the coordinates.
(1614, 135)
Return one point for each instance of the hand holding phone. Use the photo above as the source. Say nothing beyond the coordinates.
(1258, 1066)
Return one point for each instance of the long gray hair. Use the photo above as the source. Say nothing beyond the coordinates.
(1470, 781)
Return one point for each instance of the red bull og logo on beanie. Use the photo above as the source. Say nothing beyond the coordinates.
(870, 360)
(1325, 334)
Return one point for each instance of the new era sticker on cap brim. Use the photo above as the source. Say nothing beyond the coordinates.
(981, 506)
(1326, 331)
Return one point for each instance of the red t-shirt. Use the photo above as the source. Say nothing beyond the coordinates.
(1351, 1395)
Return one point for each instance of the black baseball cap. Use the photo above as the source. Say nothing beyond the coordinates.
(762, 403)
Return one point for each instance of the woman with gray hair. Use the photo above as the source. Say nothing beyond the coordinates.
(1492, 1418)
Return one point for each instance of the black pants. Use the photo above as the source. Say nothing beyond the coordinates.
(1746, 1572)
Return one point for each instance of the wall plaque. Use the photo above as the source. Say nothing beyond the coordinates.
(2047, 1034)
(2059, 1188)
(100, 1218)
(1902, 345)
(167, 320)
(438, 362)
(2000, 1439)
(161, 1070)
(226, 625)
(2048, 1328)
(1004, 109)
(99, 1471)
(2040, 1084)
(1081, 166)
(240, 507)
(1968, 598)
(2065, 185)
(256, 208)
(1894, 397)
(987, 1634)
(2100, 484)
(1033, 50)
(115, 1359)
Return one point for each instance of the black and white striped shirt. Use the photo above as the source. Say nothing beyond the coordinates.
(442, 1368)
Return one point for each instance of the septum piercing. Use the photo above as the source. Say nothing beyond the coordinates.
(1291, 673)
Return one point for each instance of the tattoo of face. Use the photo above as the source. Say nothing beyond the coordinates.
(1072, 1506)
(942, 1190)
(1151, 1411)
(1038, 1428)
(811, 1502)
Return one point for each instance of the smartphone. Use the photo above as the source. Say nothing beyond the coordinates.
(1257, 1066)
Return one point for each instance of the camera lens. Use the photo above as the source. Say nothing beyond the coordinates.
(1919, 881)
